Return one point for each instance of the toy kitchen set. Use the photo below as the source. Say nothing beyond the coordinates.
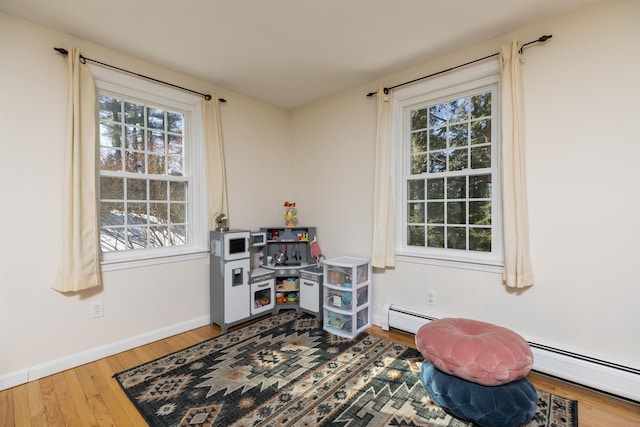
(253, 273)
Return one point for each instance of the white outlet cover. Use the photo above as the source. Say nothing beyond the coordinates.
(97, 309)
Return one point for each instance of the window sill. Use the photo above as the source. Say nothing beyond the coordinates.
(114, 265)
(484, 266)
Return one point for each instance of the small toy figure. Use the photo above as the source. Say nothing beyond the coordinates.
(290, 214)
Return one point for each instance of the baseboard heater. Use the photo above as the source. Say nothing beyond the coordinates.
(601, 375)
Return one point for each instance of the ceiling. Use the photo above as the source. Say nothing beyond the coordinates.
(286, 52)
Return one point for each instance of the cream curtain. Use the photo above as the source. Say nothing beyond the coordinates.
(383, 251)
(517, 271)
(216, 171)
(80, 263)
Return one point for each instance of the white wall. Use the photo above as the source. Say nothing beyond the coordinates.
(41, 327)
(581, 91)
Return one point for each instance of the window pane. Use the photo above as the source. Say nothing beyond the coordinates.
(157, 190)
(134, 113)
(415, 189)
(459, 110)
(111, 188)
(155, 118)
(480, 213)
(136, 189)
(481, 131)
(419, 119)
(457, 187)
(481, 157)
(415, 213)
(159, 213)
(418, 164)
(438, 115)
(178, 191)
(137, 213)
(480, 186)
(419, 142)
(415, 235)
(110, 108)
(110, 135)
(175, 122)
(177, 234)
(110, 159)
(456, 213)
(480, 239)
(435, 237)
(175, 145)
(456, 237)
(175, 166)
(112, 239)
(111, 214)
(437, 162)
(458, 159)
(438, 138)
(135, 162)
(156, 142)
(177, 212)
(134, 138)
(481, 105)
(137, 237)
(435, 188)
(435, 212)
(156, 164)
(458, 135)
(159, 236)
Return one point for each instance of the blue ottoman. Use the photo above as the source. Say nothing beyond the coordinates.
(506, 405)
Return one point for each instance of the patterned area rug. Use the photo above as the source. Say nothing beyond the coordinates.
(286, 370)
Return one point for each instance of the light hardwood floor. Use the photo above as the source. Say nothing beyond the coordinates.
(89, 396)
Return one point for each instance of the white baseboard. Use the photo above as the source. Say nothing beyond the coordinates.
(14, 378)
(51, 367)
(598, 374)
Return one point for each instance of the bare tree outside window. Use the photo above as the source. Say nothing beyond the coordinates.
(143, 189)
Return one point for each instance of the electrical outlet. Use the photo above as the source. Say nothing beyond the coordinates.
(97, 309)
(431, 297)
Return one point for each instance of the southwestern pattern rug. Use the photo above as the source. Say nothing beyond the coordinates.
(285, 370)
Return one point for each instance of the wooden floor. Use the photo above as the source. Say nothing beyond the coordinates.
(89, 396)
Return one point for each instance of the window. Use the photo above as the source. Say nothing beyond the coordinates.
(150, 170)
(447, 173)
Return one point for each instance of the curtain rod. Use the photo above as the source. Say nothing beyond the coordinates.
(387, 89)
(64, 51)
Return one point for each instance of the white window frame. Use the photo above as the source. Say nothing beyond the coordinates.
(115, 83)
(446, 86)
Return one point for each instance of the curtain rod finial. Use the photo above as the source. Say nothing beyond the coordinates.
(61, 50)
(544, 38)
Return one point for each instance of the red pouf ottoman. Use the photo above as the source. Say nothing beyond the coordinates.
(475, 351)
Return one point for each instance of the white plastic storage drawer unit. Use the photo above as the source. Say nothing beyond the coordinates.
(346, 296)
